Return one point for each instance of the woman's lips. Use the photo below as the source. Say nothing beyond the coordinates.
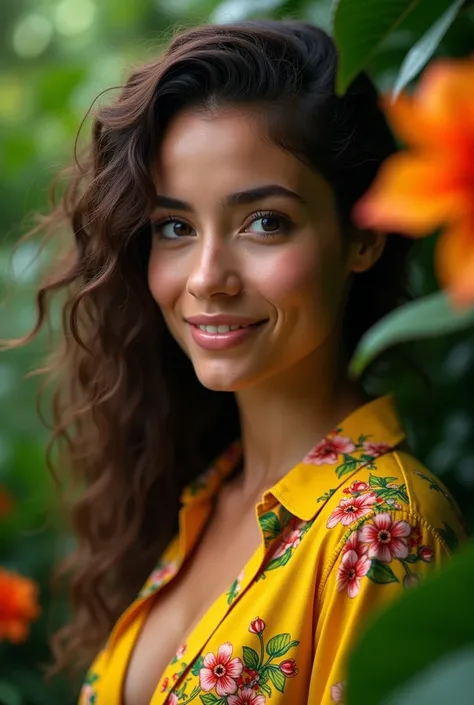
(224, 340)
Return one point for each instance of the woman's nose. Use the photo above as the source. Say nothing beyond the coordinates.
(214, 271)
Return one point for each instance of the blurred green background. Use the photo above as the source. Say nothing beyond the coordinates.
(55, 57)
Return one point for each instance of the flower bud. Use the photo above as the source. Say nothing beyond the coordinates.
(410, 580)
(426, 554)
(257, 626)
(288, 668)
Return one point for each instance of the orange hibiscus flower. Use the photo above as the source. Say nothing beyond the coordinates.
(18, 605)
(432, 184)
(6, 503)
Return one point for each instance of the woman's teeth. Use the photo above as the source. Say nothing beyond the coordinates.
(219, 329)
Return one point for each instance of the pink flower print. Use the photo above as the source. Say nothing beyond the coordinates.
(351, 509)
(246, 696)
(426, 554)
(288, 668)
(353, 567)
(249, 678)
(416, 537)
(181, 651)
(158, 577)
(386, 538)
(337, 693)
(165, 685)
(328, 450)
(353, 544)
(290, 538)
(376, 449)
(357, 487)
(220, 671)
(172, 699)
(87, 695)
(257, 626)
(410, 581)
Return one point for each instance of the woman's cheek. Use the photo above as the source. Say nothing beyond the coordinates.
(162, 282)
(288, 273)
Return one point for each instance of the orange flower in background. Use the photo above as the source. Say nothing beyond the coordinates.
(431, 185)
(6, 503)
(18, 606)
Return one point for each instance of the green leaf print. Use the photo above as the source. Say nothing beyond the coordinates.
(411, 558)
(278, 562)
(402, 493)
(265, 688)
(277, 678)
(251, 658)
(349, 465)
(197, 666)
(365, 458)
(280, 644)
(449, 536)
(211, 699)
(381, 573)
(270, 525)
(285, 516)
(327, 495)
(375, 481)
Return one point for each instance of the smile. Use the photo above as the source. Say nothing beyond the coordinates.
(220, 329)
(222, 336)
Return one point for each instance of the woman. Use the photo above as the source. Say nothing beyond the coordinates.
(216, 290)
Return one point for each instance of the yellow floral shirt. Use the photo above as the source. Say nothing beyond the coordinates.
(344, 533)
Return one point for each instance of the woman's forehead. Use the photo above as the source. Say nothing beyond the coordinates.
(229, 151)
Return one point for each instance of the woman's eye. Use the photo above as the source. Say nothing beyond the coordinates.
(271, 224)
(172, 229)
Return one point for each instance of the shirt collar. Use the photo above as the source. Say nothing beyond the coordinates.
(367, 433)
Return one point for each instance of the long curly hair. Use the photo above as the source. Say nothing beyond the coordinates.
(131, 423)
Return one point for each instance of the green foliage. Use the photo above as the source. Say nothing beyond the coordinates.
(424, 318)
(424, 49)
(432, 624)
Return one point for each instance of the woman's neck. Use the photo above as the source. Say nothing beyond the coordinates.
(284, 417)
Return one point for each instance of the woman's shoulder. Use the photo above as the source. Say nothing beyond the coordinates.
(398, 485)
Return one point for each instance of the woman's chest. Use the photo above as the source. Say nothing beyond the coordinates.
(179, 608)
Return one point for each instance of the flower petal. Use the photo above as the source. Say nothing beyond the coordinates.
(383, 521)
(400, 529)
(412, 195)
(207, 679)
(210, 660)
(368, 533)
(363, 566)
(380, 551)
(224, 652)
(235, 667)
(225, 686)
(353, 587)
(398, 548)
(454, 260)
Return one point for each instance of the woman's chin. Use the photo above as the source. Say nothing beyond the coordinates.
(221, 380)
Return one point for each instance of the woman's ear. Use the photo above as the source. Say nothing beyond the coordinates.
(365, 249)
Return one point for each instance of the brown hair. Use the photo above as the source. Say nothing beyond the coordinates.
(131, 421)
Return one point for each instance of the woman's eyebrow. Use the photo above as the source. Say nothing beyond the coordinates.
(234, 199)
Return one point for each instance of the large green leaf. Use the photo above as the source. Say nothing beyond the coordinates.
(424, 49)
(453, 674)
(360, 26)
(427, 623)
(428, 317)
(9, 695)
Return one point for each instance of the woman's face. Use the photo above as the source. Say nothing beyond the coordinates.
(247, 262)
